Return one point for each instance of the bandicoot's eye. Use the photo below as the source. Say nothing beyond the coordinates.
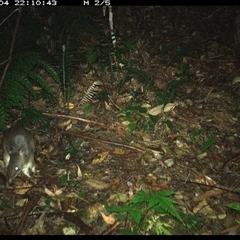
(16, 168)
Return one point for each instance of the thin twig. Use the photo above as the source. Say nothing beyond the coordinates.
(11, 47)
(75, 118)
(28, 209)
(107, 142)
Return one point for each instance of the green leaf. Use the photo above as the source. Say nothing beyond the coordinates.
(195, 133)
(207, 144)
(92, 57)
(81, 196)
(48, 201)
(192, 223)
(169, 124)
(135, 214)
(59, 165)
(128, 44)
(64, 178)
(140, 197)
(234, 206)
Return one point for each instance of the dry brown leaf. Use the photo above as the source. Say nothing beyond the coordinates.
(151, 178)
(171, 71)
(159, 187)
(99, 185)
(37, 88)
(39, 227)
(202, 155)
(200, 206)
(204, 208)
(217, 216)
(110, 219)
(209, 181)
(236, 80)
(121, 100)
(40, 103)
(146, 105)
(115, 183)
(67, 157)
(69, 230)
(48, 192)
(152, 143)
(207, 194)
(69, 126)
(25, 187)
(117, 198)
(125, 123)
(169, 107)
(79, 172)
(156, 110)
(70, 106)
(100, 157)
(21, 202)
(231, 229)
(166, 149)
(118, 151)
(53, 194)
(65, 124)
(120, 131)
(64, 105)
(107, 106)
(169, 162)
(154, 188)
(130, 193)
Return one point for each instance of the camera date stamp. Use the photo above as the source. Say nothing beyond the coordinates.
(21, 3)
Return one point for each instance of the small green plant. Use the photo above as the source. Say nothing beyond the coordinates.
(59, 165)
(107, 56)
(169, 124)
(138, 118)
(87, 108)
(168, 95)
(33, 117)
(133, 113)
(156, 224)
(207, 144)
(175, 51)
(196, 132)
(48, 202)
(192, 223)
(147, 211)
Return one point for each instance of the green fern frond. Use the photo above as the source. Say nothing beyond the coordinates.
(48, 68)
(13, 94)
(3, 115)
(34, 117)
(19, 82)
(166, 203)
(159, 202)
(40, 81)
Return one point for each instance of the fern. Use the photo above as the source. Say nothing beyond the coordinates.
(19, 82)
(34, 117)
(3, 114)
(160, 202)
(160, 227)
(92, 90)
